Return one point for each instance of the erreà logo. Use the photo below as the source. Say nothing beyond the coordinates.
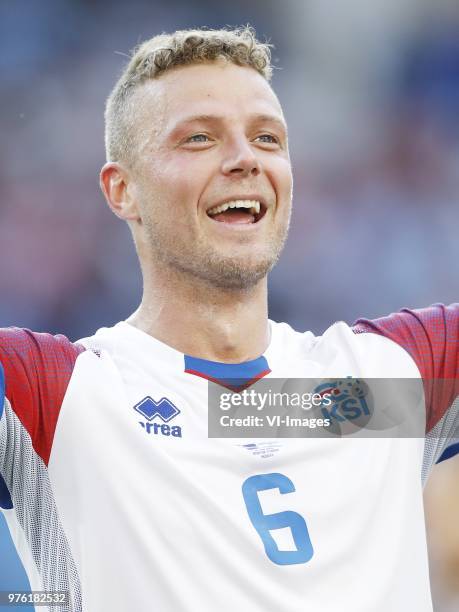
(164, 411)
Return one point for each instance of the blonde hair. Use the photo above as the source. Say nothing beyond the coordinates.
(162, 53)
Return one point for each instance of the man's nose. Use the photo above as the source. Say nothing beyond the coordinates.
(241, 159)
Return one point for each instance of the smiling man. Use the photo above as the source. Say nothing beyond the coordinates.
(201, 173)
(110, 485)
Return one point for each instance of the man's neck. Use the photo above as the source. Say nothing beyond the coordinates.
(229, 326)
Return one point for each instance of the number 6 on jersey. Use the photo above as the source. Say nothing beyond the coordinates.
(264, 523)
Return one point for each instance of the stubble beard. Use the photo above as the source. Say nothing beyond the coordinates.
(208, 265)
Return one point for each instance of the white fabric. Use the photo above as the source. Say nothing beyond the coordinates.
(159, 522)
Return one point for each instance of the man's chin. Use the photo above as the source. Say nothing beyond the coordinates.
(223, 270)
(236, 274)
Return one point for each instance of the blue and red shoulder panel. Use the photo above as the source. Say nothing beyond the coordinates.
(431, 337)
(35, 373)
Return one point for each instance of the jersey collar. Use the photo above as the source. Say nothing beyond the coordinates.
(234, 376)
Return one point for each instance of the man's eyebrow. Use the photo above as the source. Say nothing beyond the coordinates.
(269, 119)
(198, 118)
(205, 118)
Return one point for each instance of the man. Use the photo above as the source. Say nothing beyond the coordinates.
(111, 487)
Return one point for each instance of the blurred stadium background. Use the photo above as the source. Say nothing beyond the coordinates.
(371, 94)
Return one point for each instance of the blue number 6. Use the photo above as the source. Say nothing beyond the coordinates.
(264, 523)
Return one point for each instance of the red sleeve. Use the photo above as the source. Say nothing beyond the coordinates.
(37, 369)
(431, 337)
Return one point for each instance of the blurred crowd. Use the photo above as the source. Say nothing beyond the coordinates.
(371, 96)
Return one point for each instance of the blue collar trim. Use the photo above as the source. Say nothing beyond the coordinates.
(234, 376)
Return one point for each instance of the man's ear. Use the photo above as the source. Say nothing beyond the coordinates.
(117, 189)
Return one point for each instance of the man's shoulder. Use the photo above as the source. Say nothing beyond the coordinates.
(343, 350)
(284, 332)
(120, 341)
(429, 335)
(38, 352)
(421, 331)
(35, 371)
(104, 338)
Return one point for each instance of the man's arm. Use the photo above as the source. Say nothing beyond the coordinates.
(35, 372)
(431, 337)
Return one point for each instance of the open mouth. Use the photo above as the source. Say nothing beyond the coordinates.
(238, 212)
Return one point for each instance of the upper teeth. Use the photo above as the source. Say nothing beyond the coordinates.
(253, 205)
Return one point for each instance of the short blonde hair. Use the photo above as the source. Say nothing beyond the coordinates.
(162, 53)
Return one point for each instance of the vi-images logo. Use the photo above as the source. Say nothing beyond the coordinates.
(155, 412)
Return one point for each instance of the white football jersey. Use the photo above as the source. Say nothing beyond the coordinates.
(113, 491)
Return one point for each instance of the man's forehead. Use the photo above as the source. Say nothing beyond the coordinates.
(207, 90)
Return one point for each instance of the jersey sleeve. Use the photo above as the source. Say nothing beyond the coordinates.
(431, 337)
(35, 370)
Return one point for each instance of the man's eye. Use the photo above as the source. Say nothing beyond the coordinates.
(269, 138)
(198, 138)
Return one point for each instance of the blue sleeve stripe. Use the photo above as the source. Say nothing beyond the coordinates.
(5, 498)
(2, 389)
(449, 452)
